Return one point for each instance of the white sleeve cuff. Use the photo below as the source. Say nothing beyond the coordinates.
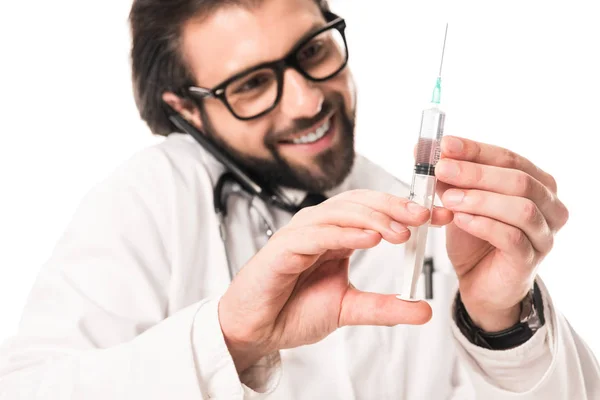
(515, 370)
(263, 377)
(216, 371)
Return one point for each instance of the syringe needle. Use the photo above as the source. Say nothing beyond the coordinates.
(443, 51)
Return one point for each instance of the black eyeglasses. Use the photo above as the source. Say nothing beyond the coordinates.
(257, 91)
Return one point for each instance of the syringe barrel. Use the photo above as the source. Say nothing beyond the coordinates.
(430, 136)
(423, 193)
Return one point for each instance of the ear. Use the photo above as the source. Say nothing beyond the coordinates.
(183, 107)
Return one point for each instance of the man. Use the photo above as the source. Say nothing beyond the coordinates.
(137, 301)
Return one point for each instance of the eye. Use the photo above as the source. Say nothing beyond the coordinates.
(252, 83)
(312, 51)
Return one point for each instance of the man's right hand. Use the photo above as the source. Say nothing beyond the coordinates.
(295, 290)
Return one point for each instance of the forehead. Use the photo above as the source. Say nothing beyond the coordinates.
(236, 37)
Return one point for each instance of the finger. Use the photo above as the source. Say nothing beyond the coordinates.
(512, 241)
(336, 255)
(363, 308)
(441, 187)
(441, 216)
(481, 153)
(515, 211)
(511, 182)
(313, 240)
(296, 249)
(388, 204)
(397, 208)
(355, 215)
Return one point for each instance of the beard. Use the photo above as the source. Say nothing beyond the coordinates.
(334, 163)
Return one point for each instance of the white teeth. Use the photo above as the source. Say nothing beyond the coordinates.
(313, 136)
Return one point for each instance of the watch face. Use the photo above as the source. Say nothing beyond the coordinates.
(529, 313)
(527, 308)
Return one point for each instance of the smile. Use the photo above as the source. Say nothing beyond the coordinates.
(312, 136)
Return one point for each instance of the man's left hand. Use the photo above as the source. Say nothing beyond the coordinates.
(506, 214)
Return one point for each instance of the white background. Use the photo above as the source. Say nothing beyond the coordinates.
(521, 75)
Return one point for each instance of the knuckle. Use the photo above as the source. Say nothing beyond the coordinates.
(279, 237)
(563, 215)
(552, 184)
(523, 183)
(511, 159)
(294, 260)
(530, 212)
(550, 242)
(301, 215)
(356, 194)
(566, 216)
(391, 202)
(389, 199)
(478, 175)
(516, 237)
(375, 216)
(530, 256)
(560, 216)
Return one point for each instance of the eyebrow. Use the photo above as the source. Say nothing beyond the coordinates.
(315, 27)
(311, 31)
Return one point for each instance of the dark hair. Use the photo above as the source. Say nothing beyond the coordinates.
(156, 60)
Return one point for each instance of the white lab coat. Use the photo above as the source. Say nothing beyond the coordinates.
(126, 308)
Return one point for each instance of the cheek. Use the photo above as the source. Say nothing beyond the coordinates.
(344, 84)
(247, 137)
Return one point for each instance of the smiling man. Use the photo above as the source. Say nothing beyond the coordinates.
(289, 290)
(307, 142)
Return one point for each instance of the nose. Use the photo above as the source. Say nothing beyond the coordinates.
(300, 98)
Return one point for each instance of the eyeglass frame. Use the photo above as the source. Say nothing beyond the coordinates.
(279, 66)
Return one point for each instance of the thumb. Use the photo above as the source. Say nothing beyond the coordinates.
(364, 308)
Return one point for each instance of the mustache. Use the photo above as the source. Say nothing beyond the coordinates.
(300, 124)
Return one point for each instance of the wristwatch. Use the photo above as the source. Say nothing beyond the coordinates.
(532, 319)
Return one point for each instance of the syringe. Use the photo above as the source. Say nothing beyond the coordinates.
(422, 190)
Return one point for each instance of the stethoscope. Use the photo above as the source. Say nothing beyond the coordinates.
(238, 182)
(242, 184)
(228, 185)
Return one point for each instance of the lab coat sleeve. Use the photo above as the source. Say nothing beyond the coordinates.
(97, 323)
(216, 367)
(555, 364)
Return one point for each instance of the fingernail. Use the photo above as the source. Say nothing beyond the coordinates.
(448, 169)
(454, 145)
(398, 228)
(464, 218)
(453, 197)
(369, 231)
(400, 297)
(415, 209)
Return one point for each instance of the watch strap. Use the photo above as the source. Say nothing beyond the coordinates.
(506, 339)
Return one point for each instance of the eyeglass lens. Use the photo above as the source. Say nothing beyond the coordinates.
(256, 92)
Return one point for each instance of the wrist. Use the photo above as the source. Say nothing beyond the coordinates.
(243, 356)
(244, 349)
(494, 320)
